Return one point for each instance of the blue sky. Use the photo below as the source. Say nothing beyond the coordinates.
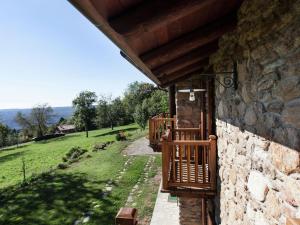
(49, 52)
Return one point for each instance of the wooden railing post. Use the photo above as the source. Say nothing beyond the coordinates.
(213, 160)
(150, 131)
(166, 139)
(165, 164)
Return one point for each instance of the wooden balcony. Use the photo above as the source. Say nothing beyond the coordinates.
(158, 126)
(189, 164)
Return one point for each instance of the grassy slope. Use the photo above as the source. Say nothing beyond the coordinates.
(40, 157)
(64, 196)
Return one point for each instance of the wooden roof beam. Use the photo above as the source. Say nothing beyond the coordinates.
(190, 41)
(186, 60)
(181, 78)
(153, 14)
(184, 71)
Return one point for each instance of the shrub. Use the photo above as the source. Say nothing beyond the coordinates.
(99, 146)
(62, 166)
(72, 156)
(121, 136)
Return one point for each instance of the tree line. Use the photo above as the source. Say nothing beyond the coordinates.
(140, 101)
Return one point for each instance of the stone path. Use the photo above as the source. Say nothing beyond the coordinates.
(140, 147)
(165, 212)
(107, 190)
(143, 179)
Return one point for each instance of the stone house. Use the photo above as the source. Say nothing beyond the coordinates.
(232, 67)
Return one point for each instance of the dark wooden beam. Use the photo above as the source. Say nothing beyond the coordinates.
(185, 70)
(181, 78)
(186, 60)
(172, 104)
(190, 41)
(153, 14)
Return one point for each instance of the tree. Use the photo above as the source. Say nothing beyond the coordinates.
(135, 94)
(36, 124)
(158, 103)
(141, 114)
(110, 112)
(84, 110)
(4, 134)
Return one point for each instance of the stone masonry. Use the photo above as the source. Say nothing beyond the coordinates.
(258, 125)
(188, 115)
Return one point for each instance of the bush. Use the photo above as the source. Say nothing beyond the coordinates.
(101, 146)
(73, 155)
(121, 136)
(62, 166)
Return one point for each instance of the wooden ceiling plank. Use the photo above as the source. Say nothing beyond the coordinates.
(186, 60)
(188, 42)
(151, 15)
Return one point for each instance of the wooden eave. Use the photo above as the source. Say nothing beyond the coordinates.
(166, 40)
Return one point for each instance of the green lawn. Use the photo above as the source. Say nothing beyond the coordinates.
(64, 196)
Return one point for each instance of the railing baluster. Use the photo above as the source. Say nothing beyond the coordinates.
(173, 163)
(196, 163)
(180, 163)
(204, 164)
(189, 162)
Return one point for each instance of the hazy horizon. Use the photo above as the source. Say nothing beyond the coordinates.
(50, 52)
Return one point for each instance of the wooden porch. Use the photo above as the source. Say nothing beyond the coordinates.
(188, 163)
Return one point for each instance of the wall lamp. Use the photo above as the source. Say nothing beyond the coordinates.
(192, 93)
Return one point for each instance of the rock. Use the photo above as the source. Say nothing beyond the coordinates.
(250, 116)
(257, 185)
(289, 88)
(232, 176)
(275, 106)
(283, 158)
(273, 205)
(291, 113)
(260, 219)
(291, 192)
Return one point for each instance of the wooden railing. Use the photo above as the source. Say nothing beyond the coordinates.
(158, 126)
(188, 162)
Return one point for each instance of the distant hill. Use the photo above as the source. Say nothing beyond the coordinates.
(7, 116)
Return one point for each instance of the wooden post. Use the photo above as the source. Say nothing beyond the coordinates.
(172, 104)
(213, 160)
(209, 85)
(165, 163)
(204, 211)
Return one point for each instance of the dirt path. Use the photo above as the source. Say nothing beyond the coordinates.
(140, 147)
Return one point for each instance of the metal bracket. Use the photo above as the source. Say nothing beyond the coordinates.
(229, 80)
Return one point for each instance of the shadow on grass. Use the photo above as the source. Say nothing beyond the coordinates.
(116, 131)
(14, 147)
(56, 199)
(12, 156)
(63, 138)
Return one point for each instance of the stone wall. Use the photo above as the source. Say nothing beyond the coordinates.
(188, 115)
(187, 112)
(258, 125)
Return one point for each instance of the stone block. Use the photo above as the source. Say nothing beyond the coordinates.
(257, 185)
(284, 159)
(273, 205)
(250, 116)
(291, 113)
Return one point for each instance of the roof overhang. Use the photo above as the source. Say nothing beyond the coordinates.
(166, 40)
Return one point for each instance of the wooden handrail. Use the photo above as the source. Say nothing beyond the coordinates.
(189, 163)
(158, 125)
